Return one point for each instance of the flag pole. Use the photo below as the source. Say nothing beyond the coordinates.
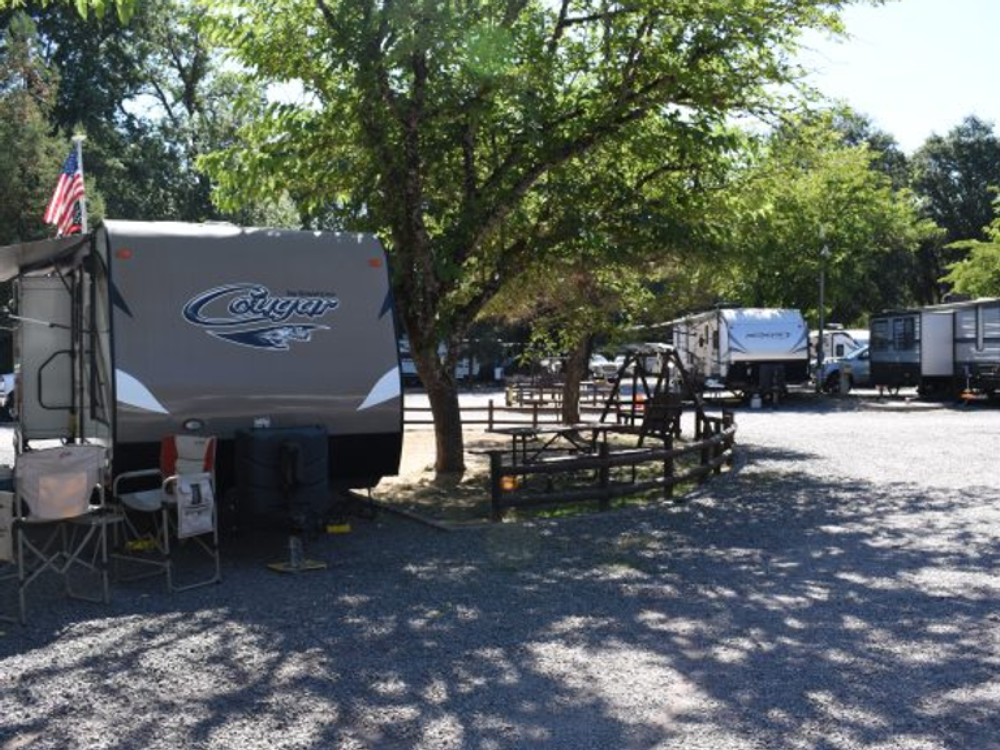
(78, 142)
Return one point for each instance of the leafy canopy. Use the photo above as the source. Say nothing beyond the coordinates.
(85, 8)
(978, 273)
(809, 190)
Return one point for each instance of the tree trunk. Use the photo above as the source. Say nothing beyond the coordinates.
(576, 370)
(442, 391)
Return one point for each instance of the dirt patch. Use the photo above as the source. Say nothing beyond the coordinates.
(452, 499)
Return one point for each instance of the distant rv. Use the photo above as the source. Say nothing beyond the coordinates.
(838, 342)
(746, 349)
(939, 349)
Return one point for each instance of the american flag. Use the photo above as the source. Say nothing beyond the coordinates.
(64, 207)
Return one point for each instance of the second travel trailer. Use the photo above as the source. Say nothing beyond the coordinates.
(940, 349)
(746, 349)
(977, 346)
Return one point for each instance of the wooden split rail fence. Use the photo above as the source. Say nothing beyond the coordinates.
(713, 444)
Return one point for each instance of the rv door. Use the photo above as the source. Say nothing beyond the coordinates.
(44, 349)
(937, 350)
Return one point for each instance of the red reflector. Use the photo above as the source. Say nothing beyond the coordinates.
(123, 253)
(375, 262)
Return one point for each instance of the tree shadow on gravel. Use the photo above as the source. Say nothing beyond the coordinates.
(777, 610)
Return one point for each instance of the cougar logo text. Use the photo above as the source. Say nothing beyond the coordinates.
(251, 315)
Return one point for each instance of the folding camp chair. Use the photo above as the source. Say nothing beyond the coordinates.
(180, 510)
(57, 528)
(8, 560)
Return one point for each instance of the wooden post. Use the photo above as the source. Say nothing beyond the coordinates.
(720, 447)
(496, 490)
(489, 417)
(534, 414)
(605, 476)
(728, 420)
(704, 454)
(668, 468)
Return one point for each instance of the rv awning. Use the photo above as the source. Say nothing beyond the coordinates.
(35, 256)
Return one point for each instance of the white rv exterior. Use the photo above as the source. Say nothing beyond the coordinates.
(745, 349)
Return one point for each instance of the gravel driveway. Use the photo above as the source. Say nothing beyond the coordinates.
(839, 590)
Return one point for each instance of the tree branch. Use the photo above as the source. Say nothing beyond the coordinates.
(564, 22)
(632, 107)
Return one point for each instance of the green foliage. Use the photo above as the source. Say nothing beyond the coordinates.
(151, 95)
(439, 125)
(954, 174)
(29, 157)
(978, 273)
(621, 227)
(810, 190)
(85, 8)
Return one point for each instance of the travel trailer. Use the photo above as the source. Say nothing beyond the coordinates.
(140, 330)
(977, 345)
(940, 349)
(912, 348)
(744, 349)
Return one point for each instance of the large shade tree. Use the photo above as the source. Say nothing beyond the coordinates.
(435, 124)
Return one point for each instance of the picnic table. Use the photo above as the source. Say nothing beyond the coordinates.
(531, 443)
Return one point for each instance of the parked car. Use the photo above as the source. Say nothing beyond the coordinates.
(602, 368)
(857, 367)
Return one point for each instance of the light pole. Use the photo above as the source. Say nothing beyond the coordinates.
(824, 254)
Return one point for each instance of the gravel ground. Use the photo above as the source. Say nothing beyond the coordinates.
(838, 590)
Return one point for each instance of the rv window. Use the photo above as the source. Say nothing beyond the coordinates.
(715, 339)
(880, 336)
(903, 334)
(839, 350)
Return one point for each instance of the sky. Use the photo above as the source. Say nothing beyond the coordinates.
(915, 67)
